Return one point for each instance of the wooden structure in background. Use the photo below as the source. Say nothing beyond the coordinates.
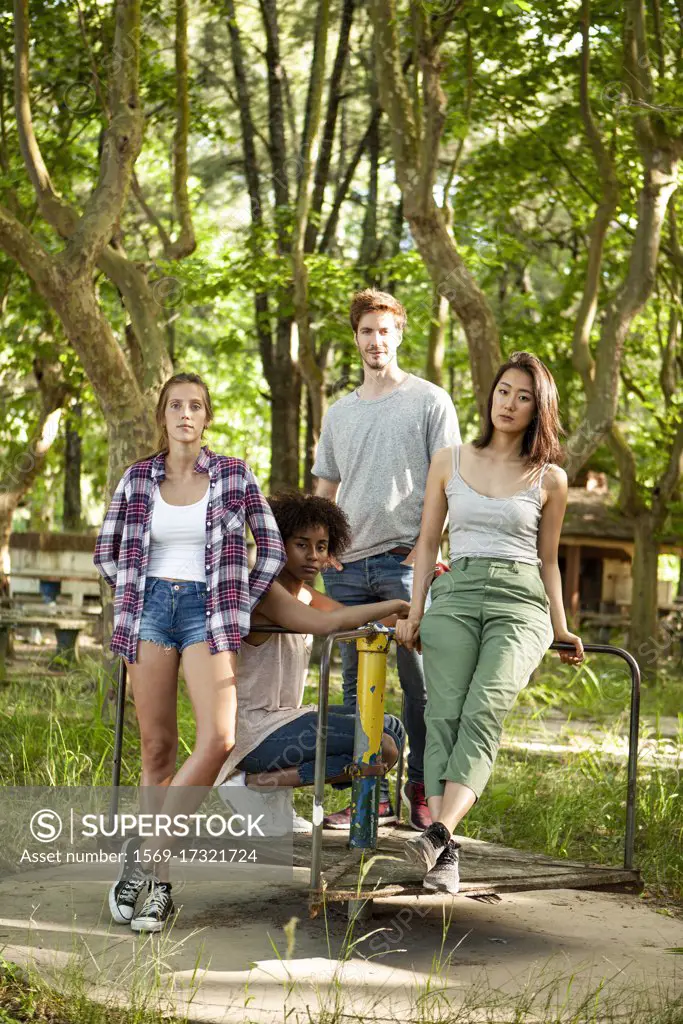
(596, 551)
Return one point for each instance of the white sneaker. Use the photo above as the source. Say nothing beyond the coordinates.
(301, 826)
(274, 804)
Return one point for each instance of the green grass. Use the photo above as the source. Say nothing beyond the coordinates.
(26, 996)
(600, 689)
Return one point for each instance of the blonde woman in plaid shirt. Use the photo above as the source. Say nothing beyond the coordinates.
(173, 548)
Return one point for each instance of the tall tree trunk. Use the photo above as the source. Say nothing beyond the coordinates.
(308, 361)
(436, 346)
(660, 155)
(645, 639)
(323, 166)
(368, 248)
(72, 515)
(125, 386)
(284, 439)
(309, 450)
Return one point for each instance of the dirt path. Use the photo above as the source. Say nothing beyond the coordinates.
(227, 956)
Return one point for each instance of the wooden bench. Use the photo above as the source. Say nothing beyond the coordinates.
(67, 628)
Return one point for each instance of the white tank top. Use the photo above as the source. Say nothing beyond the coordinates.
(484, 527)
(177, 547)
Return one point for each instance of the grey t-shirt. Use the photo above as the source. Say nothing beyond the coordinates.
(380, 451)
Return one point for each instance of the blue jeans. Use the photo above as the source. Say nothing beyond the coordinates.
(293, 745)
(384, 578)
(173, 614)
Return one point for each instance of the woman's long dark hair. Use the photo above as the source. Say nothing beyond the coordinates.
(541, 441)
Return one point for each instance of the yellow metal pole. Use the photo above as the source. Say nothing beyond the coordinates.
(367, 750)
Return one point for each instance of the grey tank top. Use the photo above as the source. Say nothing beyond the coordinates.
(484, 527)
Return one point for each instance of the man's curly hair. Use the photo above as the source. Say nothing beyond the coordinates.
(294, 512)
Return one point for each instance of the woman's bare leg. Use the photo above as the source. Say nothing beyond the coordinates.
(452, 807)
(210, 683)
(154, 682)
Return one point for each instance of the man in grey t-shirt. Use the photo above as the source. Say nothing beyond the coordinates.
(373, 457)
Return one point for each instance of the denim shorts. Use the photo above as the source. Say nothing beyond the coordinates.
(173, 613)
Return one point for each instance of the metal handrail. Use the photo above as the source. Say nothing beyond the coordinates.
(320, 751)
(321, 735)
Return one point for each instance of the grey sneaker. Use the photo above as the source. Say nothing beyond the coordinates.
(424, 849)
(445, 876)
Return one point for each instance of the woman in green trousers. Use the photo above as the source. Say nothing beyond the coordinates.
(494, 615)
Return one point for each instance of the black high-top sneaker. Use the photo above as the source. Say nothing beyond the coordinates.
(132, 879)
(156, 909)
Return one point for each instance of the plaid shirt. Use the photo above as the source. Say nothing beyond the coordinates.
(122, 549)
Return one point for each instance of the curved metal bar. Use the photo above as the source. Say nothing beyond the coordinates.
(634, 720)
(118, 741)
(320, 759)
(629, 836)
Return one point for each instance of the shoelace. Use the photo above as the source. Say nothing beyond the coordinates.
(449, 855)
(157, 901)
(434, 836)
(132, 886)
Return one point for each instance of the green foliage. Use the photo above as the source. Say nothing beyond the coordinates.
(523, 196)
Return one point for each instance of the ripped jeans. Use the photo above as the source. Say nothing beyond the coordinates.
(173, 613)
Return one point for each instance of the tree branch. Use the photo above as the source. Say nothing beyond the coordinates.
(434, 105)
(253, 178)
(121, 145)
(630, 499)
(637, 72)
(151, 216)
(670, 479)
(394, 94)
(322, 169)
(345, 184)
(278, 145)
(55, 211)
(130, 281)
(18, 242)
(585, 317)
(660, 166)
(185, 242)
(312, 372)
(428, 223)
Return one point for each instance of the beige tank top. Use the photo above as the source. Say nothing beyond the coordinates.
(270, 688)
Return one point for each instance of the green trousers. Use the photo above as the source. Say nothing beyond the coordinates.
(486, 630)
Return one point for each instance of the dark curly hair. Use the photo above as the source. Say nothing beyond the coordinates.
(294, 511)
